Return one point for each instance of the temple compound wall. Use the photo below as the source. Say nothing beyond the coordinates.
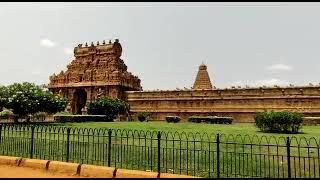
(241, 104)
(98, 70)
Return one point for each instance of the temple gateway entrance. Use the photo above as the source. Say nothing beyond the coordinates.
(80, 98)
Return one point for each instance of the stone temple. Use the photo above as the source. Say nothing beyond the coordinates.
(98, 70)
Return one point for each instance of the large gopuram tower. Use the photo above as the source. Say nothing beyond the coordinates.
(97, 70)
(202, 80)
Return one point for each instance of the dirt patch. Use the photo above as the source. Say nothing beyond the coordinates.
(25, 172)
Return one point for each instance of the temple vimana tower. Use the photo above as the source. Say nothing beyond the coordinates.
(202, 80)
(98, 70)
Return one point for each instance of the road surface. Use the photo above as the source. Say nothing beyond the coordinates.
(24, 172)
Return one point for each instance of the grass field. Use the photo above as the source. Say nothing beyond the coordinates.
(132, 147)
(239, 128)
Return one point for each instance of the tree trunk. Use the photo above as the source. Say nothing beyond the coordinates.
(15, 119)
(27, 118)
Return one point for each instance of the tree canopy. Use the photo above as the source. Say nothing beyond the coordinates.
(27, 98)
(3, 96)
(107, 106)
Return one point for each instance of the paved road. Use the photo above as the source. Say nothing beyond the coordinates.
(24, 172)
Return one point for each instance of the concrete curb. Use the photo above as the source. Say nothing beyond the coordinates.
(64, 167)
(9, 160)
(34, 163)
(84, 170)
(168, 175)
(97, 171)
(125, 173)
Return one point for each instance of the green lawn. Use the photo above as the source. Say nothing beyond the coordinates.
(245, 150)
(194, 155)
(239, 128)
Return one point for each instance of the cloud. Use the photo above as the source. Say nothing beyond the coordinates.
(68, 51)
(47, 43)
(261, 82)
(279, 67)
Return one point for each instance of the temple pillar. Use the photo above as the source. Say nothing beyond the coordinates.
(71, 100)
(89, 94)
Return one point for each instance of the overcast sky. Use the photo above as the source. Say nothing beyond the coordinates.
(164, 43)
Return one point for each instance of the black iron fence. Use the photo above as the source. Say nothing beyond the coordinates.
(196, 154)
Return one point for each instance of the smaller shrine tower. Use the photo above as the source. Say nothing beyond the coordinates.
(202, 80)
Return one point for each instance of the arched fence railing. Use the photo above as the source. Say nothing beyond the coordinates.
(197, 154)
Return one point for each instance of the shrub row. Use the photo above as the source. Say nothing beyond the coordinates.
(81, 118)
(142, 116)
(173, 119)
(211, 119)
(287, 122)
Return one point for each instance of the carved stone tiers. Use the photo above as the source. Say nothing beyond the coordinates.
(202, 80)
(94, 67)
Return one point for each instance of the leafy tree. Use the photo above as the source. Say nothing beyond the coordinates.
(3, 96)
(51, 103)
(27, 98)
(107, 106)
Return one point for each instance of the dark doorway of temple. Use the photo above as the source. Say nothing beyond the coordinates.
(80, 98)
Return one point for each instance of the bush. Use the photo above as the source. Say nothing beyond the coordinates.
(211, 119)
(81, 118)
(173, 119)
(142, 116)
(6, 114)
(286, 122)
(108, 107)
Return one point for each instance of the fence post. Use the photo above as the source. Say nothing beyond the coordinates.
(159, 138)
(31, 143)
(0, 132)
(109, 147)
(1, 147)
(68, 144)
(288, 157)
(218, 156)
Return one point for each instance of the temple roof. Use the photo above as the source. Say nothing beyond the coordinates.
(96, 65)
(202, 80)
